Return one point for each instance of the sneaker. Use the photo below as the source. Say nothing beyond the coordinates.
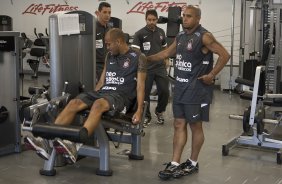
(188, 168)
(147, 122)
(67, 149)
(39, 145)
(171, 171)
(160, 118)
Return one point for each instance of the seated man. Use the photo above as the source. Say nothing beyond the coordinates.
(122, 82)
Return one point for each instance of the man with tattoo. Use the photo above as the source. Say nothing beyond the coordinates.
(194, 78)
(122, 82)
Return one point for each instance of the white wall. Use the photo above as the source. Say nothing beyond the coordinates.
(216, 15)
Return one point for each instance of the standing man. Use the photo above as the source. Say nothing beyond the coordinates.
(194, 75)
(151, 40)
(103, 17)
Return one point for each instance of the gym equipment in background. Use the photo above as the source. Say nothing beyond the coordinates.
(9, 93)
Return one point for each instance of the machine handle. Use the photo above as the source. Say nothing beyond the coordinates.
(4, 113)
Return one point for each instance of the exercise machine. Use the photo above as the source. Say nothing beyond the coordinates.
(264, 80)
(72, 72)
(9, 93)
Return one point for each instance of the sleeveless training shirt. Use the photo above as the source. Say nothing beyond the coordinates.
(121, 73)
(191, 63)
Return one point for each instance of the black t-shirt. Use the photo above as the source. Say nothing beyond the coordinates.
(191, 63)
(150, 42)
(121, 73)
(100, 42)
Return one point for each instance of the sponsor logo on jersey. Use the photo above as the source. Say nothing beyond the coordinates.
(112, 78)
(182, 65)
(182, 79)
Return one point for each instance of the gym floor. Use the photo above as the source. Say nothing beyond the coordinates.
(242, 166)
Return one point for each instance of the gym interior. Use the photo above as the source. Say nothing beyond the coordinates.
(243, 138)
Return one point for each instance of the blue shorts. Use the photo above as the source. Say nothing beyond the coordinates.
(191, 112)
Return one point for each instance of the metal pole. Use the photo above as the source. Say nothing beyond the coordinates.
(242, 37)
(232, 45)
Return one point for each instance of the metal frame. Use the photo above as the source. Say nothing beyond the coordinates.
(10, 133)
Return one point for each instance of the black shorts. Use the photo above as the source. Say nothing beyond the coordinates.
(191, 112)
(117, 101)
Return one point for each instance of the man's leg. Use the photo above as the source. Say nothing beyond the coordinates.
(98, 108)
(197, 139)
(163, 95)
(67, 116)
(191, 165)
(179, 139)
(173, 168)
(148, 88)
(69, 149)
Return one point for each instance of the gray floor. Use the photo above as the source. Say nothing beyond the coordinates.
(244, 166)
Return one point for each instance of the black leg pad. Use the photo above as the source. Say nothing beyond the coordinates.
(52, 131)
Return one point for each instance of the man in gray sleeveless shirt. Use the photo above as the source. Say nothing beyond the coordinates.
(122, 82)
(194, 78)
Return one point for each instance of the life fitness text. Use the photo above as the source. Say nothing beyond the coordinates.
(36, 9)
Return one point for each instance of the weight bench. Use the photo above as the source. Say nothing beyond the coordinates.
(100, 143)
(255, 115)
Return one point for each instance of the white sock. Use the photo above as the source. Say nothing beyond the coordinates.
(194, 163)
(174, 163)
(78, 145)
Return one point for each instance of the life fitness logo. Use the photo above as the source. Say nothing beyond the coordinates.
(37, 9)
(142, 7)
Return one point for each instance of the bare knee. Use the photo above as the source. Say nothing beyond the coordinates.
(100, 106)
(180, 124)
(75, 105)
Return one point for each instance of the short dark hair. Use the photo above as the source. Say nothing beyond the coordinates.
(196, 8)
(116, 33)
(151, 12)
(103, 4)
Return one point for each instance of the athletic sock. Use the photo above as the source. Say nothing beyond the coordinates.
(194, 163)
(174, 163)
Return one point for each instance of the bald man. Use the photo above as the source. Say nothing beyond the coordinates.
(121, 83)
(194, 74)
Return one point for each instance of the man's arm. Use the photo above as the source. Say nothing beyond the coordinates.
(136, 43)
(171, 50)
(223, 57)
(141, 77)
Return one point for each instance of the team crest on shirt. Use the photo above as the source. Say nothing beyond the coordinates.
(126, 63)
(189, 45)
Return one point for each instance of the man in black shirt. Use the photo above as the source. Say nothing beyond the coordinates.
(151, 40)
(103, 17)
(194, 75)
(122, 82)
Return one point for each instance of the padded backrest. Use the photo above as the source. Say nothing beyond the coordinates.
(39, 42)
(266, 49)
(38, 52)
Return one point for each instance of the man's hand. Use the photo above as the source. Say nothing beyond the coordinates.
(136, 119)
(207, 79)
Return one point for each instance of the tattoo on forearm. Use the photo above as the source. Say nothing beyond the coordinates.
(142, 64)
